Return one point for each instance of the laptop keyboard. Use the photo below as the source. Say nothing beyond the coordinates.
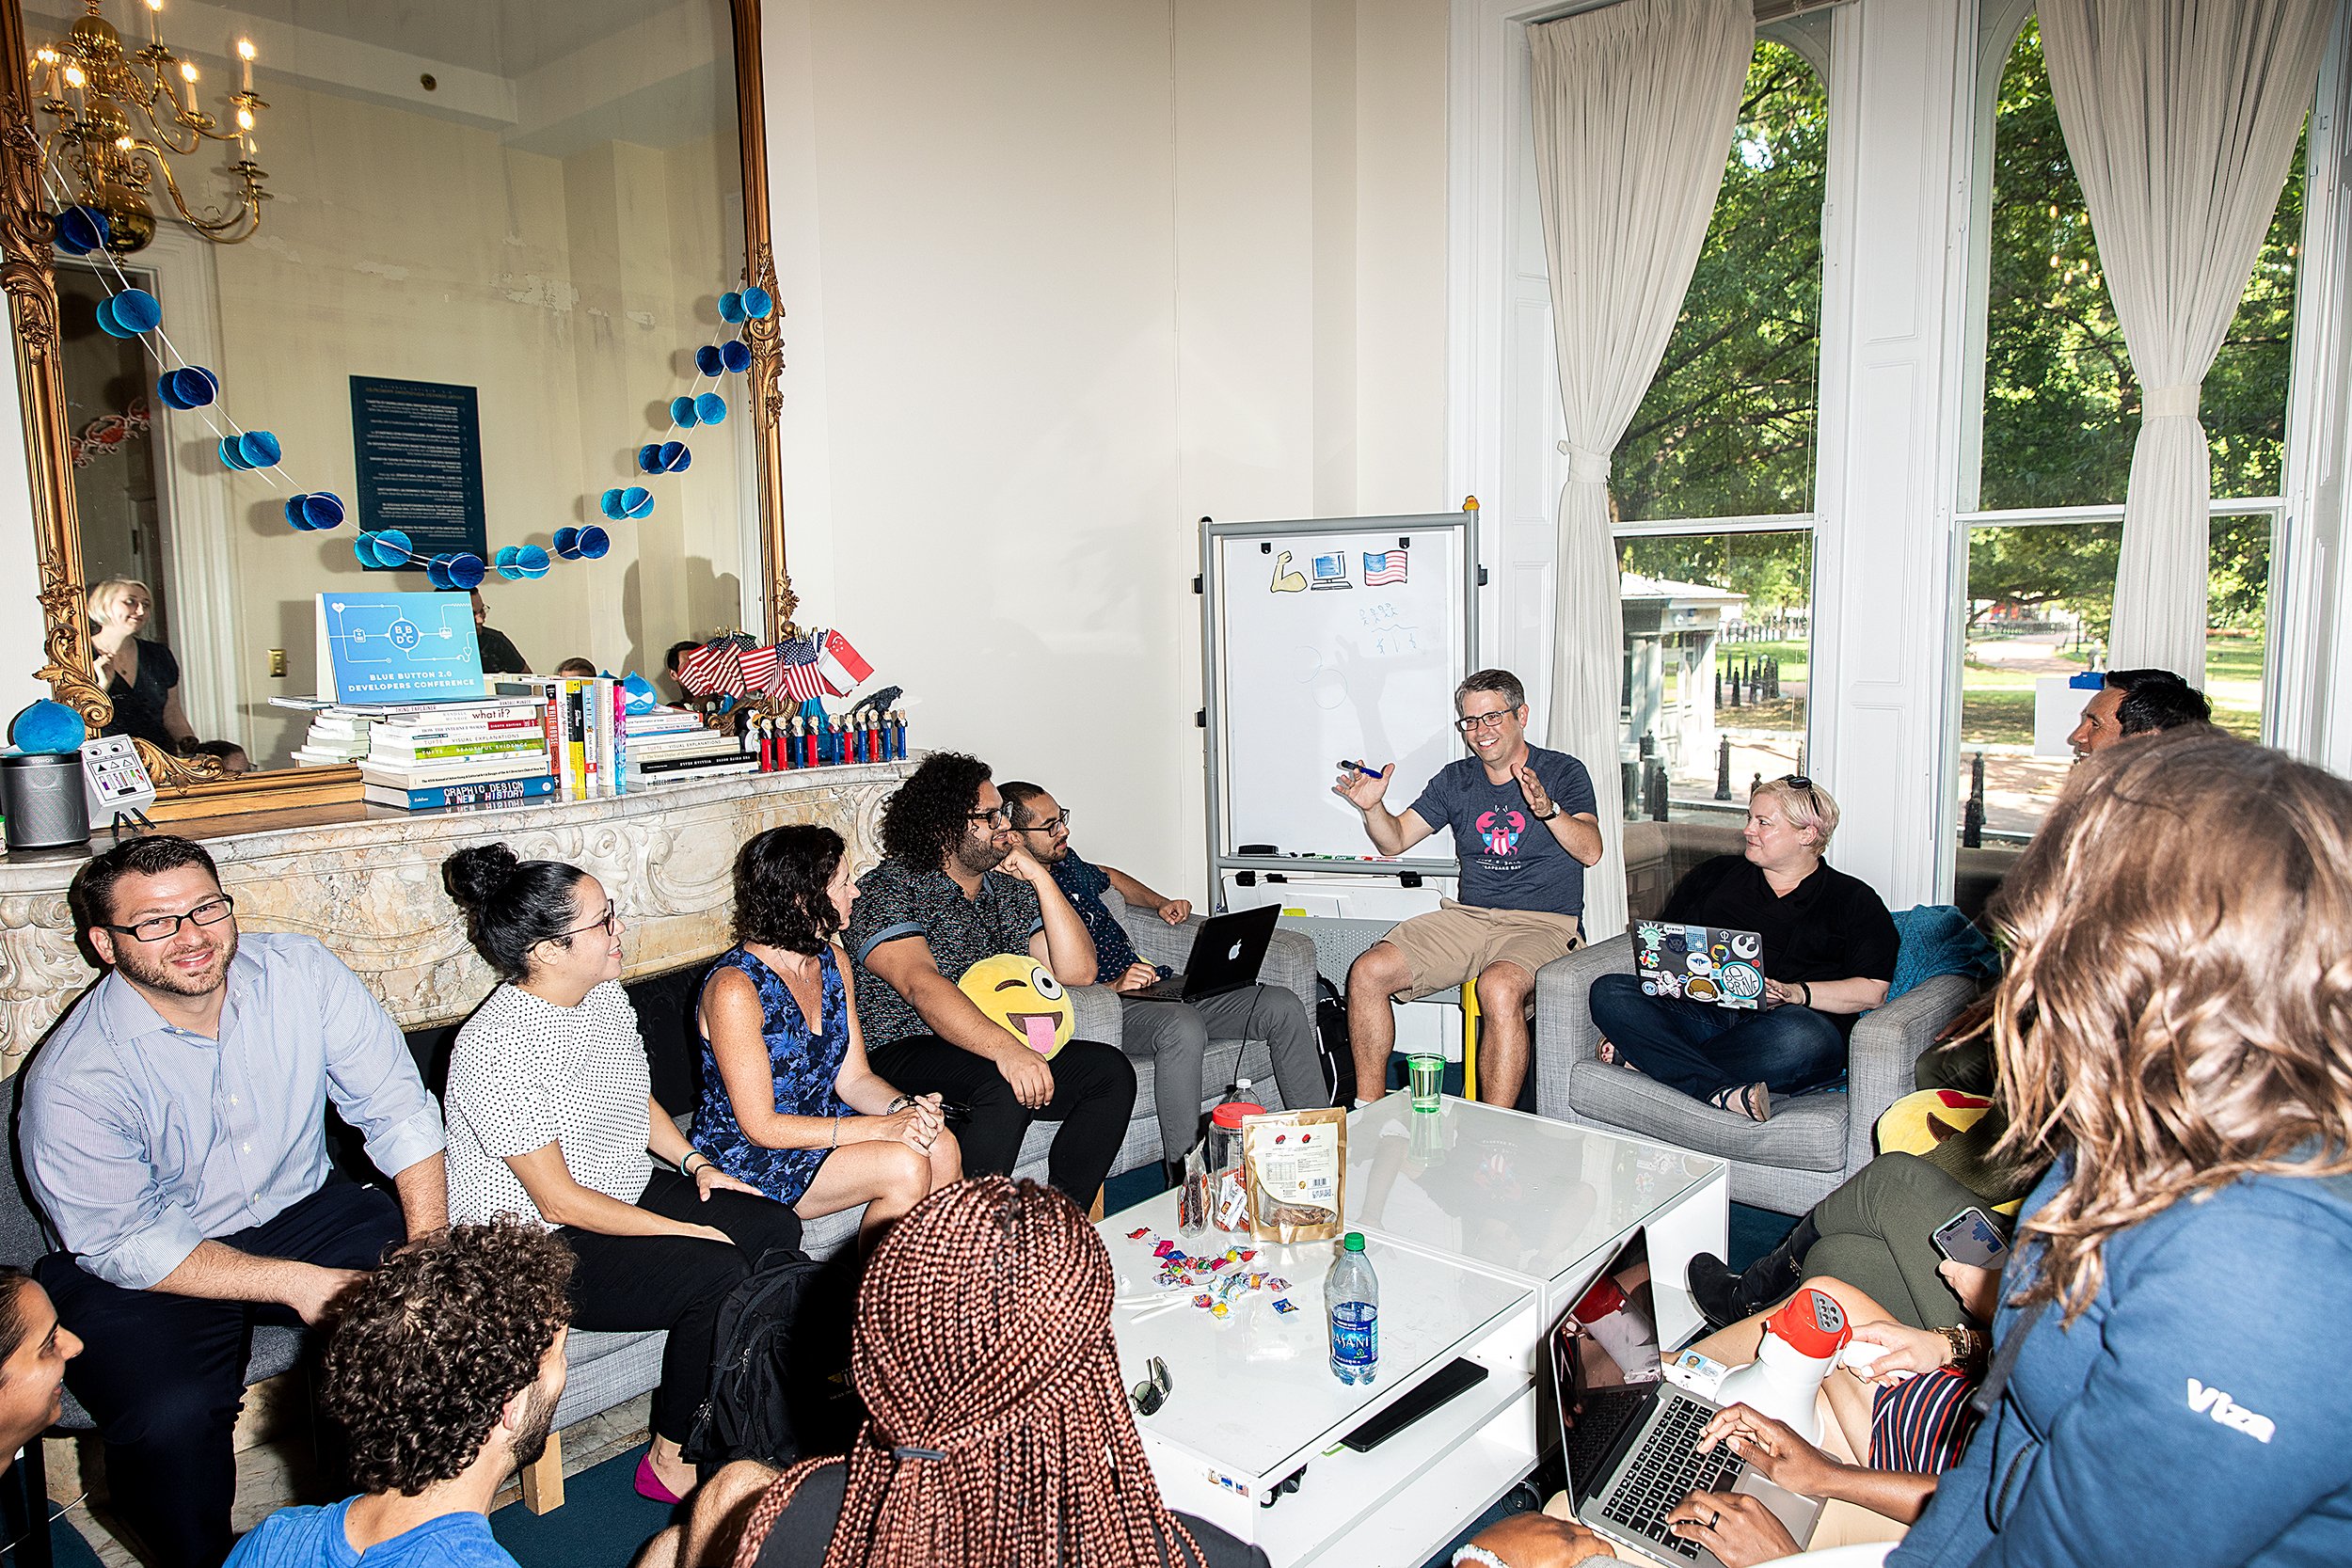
(1665, 1471)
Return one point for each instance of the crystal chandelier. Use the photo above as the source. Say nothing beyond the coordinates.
(120, 120)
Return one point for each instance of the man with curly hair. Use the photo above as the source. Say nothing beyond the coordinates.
(955, 886)
(444, 1375)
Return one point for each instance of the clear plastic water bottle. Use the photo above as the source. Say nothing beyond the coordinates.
(1351, 1297)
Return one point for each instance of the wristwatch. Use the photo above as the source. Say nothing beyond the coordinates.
(1548, 815)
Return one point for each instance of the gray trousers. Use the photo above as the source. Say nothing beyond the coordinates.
(1175, 1036)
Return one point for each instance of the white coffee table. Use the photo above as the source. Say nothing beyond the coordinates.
(1477, 1221)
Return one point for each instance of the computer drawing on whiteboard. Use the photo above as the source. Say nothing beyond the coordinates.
(1524, 830)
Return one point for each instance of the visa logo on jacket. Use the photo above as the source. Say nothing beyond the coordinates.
(2228, 1413)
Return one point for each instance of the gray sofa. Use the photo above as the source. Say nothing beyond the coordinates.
(608, 1369)
(1811, 1143)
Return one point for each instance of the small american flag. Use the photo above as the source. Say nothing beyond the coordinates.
(801, 682)
(1384, 567)
(797, 675)
(713, 670)
(760, 668)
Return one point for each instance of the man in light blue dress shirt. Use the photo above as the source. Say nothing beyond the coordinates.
(172, 1136)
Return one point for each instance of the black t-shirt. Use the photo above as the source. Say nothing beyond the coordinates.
(140, 704)
(804, 1529)
(1831, 926)
(499, 656)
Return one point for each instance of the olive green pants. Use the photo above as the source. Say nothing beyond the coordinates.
(1875, 1232)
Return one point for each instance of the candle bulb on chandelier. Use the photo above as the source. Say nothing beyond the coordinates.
(245, 65)
(153, 27)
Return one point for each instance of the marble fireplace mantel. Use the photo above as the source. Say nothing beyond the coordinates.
(367, 881)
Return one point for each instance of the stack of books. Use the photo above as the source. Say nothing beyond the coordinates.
(671, 746)
(338, 738)
(424, 756)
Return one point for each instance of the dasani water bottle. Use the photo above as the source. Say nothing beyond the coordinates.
(1351, 1296)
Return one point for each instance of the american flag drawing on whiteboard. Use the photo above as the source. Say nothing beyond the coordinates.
(1383, 568)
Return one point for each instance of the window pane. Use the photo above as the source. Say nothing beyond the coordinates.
(2062, 404)
(1726, 428)
(1717, 654)
(2041, 602)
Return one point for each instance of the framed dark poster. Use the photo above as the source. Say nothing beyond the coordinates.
(417, 446)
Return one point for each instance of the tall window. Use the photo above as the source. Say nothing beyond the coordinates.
(2063, 408)
(1713, 486)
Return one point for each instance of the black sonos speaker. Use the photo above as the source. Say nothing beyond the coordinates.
(41, 794)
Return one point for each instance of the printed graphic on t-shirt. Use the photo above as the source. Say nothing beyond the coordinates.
(1500, 831)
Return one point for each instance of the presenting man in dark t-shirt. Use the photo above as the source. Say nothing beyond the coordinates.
(956, 887)
(1524, 830)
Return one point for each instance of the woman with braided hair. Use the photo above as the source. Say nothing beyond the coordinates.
(997, 1430)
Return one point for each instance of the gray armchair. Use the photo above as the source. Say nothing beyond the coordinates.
(1812, 1143)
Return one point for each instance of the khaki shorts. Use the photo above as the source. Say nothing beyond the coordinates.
(1453, 942)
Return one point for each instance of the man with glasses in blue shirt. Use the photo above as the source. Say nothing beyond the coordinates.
(173, 1137)
(1524, 830)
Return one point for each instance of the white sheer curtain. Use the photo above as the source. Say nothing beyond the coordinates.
(1634, 108)
(2181, 117)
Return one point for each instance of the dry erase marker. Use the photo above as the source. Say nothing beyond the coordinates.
(1359, 768)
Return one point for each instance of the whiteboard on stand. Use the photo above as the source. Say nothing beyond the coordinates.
(1323, 641)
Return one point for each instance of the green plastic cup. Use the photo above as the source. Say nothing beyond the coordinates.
(1426, 1075)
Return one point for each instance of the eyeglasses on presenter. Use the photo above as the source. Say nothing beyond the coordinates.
(1049, 824)
(1483, 720)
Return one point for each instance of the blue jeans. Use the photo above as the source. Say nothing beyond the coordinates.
(1699, 1048)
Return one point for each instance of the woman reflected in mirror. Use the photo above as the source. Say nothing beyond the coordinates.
(141, 677)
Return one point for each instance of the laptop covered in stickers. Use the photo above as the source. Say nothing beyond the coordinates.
(1699, 964)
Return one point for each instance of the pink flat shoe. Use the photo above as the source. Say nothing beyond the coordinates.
(649, 1484)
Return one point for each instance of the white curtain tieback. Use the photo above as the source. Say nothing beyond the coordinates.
(1585, 466)
(2178, 401)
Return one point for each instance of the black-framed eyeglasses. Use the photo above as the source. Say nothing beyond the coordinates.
(163, 927)
(610, 921)
(1049, 824)
(1153, 1392)
(1001, 816)
(1483, 720)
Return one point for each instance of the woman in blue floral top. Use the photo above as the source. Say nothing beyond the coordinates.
(788, 1101)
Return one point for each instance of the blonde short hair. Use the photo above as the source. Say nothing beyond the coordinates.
(112, 589)
(1802, 805)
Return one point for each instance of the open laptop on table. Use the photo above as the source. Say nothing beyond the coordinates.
(1627, 1438)
(1227, 953)
(1699, 964)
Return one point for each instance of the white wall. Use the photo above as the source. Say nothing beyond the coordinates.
(1059, 281)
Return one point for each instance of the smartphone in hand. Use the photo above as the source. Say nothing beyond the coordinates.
(1970, 1237)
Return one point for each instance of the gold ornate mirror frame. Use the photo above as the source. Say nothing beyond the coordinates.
(195, 784)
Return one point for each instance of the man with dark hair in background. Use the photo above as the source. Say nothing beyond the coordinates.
(444, 1375)
(955, 886)
(2134, 703)
(174, 1141)
(499, 656)
(1524, 830)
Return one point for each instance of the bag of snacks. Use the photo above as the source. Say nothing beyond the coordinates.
(1295, 1164)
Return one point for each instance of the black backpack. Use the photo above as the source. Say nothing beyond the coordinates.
(1339, 1060)
(779, 1382)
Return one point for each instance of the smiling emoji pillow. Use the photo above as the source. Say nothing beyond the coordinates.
(1020, 994)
